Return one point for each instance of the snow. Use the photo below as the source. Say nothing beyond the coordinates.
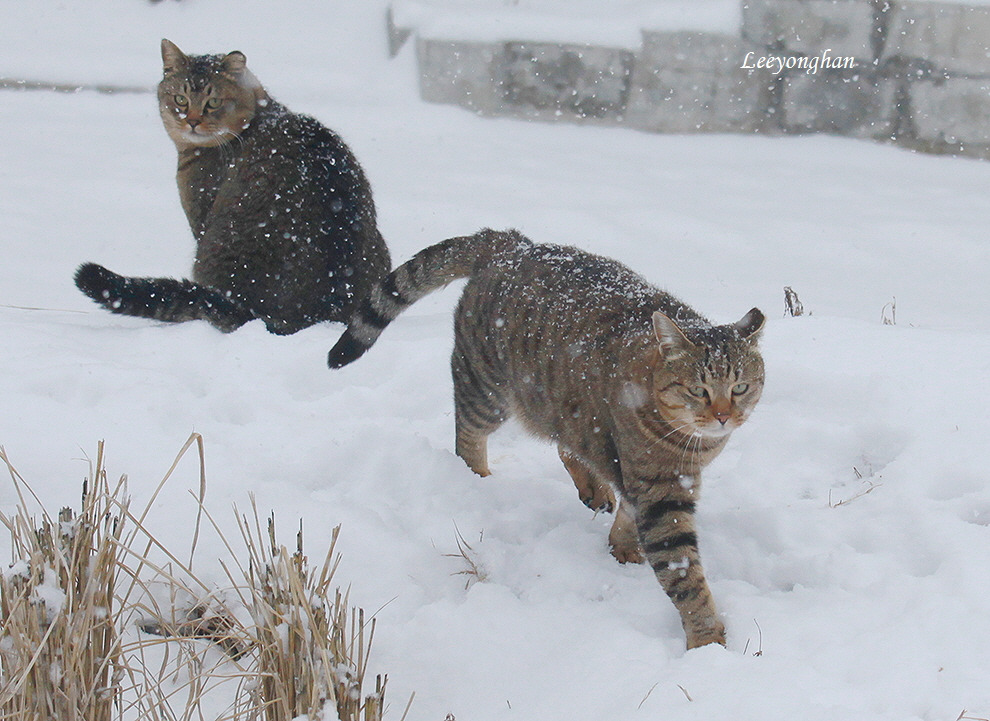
(618, 23)
(49, 595)
(845, 529)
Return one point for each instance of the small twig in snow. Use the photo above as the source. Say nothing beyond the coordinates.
(474, 570)
(845, 502)
(888, 314)
(792, 304)
(651, 691)
(963, 717)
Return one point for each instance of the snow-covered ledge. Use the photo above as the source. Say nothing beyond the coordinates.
(572, 59)
(915, 72)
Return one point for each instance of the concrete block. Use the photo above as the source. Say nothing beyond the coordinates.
(692, 82)
(956, 37)
(580, 82)
(845, 27)
(459, 73)
(840, 102)
(955, 112)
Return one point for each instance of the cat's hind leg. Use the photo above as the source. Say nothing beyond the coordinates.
(593, 492)
(478, 411)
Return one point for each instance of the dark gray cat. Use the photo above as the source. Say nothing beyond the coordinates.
(280, 208)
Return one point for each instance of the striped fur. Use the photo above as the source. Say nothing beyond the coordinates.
(427, 271)
(638, 391)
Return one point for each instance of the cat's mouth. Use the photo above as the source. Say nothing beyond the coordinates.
(198, 131)
(713, 428)
(198, 135)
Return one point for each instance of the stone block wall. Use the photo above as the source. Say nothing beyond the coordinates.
(459, 73)
(527, 79)
(811, 26)
(687, 82)
(948, 94)
(913, 72)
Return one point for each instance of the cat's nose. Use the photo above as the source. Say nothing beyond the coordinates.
(722, 416)
(193, 122)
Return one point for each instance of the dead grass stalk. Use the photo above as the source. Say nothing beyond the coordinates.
(59, 643)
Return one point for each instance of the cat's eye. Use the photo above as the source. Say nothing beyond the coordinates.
(698, 391)
(181, 100)
(213, 103)
(739, 388)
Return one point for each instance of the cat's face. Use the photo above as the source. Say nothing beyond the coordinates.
(709, 385)
(206, 100)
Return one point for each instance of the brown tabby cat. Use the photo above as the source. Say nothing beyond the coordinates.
(637, 390)
(282, 213)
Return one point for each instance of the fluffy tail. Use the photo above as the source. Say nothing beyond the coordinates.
(428, 270)
(164, 299)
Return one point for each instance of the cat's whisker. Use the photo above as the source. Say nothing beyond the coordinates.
(226, 143)
(688, 451)
(229, 137)
(696, 452)
(673, 429)
(655, 441)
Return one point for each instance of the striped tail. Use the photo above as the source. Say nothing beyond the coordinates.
(164, 299)
(430, 269)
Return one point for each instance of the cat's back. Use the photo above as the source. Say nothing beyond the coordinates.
(293, 227)
(570, 288)
(304, 157)
(293, 186)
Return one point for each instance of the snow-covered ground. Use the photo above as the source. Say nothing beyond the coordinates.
(845, 530)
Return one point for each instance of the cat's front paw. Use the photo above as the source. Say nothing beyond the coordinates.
(624, 544)
(623, 539)
(715, 633)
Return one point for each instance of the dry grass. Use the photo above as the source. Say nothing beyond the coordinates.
(303, 653)
(99, 624)
(60, 649)
(312, 648)
(759, 648)
(474, 571)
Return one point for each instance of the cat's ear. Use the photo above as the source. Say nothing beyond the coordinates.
(234, 63)
(670, 336)
(173, 59)
(750, 325)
